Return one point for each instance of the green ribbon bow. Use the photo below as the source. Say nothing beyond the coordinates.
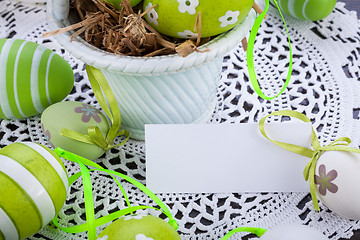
(91, 222)
(340, 144)
(250, 53)
(257, 231)
(101, 90)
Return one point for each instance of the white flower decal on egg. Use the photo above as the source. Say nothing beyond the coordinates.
(188, 6)
(187, 34)
(137, 217)
(103, 238)
(142, 237)
(229, 18)
(152, 15)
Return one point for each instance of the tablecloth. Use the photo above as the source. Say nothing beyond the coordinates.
(325, 86)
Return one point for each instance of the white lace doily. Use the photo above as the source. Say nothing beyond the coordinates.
(325, 86)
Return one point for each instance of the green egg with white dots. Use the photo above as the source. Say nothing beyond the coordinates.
(33, 187)
(177, 18)
(139, 227)
(32, 78)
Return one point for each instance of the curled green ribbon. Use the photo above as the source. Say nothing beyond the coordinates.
(257, 231)
(340, 144)
(101, 90)
(91, 222)
(250, 53)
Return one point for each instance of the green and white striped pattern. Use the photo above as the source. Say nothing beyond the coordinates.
(33, 187)
(311, 10)
(32, 78)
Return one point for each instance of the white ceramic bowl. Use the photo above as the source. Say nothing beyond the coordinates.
(156, 90)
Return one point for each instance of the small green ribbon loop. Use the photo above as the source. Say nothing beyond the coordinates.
(257, 231)
(290, 147)
(97, 137)
(110, 106)
(340, 144)
(91, 222)
(250, 53)
(345, 141)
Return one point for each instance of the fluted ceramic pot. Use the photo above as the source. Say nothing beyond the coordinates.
(156, 90)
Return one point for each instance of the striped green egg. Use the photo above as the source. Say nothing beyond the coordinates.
(33, 186)
(32, 78)
(310, 10)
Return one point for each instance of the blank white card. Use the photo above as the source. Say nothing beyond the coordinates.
(224, 158)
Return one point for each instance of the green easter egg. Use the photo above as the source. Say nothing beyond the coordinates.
(177, 18)
(139, 227)
(75, 116)
(116, 3)
(32, 78)
(33, 186)
(311, 10)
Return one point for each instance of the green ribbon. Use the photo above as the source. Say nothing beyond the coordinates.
(250, 53)
(101, 90)
(257, 231)
(340, 144)
(91, 222)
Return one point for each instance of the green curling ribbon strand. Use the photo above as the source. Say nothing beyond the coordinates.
(91, 222)
(109, 104)
(340, 144)
(250, 53)
(257, 231)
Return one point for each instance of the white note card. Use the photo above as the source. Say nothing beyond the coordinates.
(225, 158)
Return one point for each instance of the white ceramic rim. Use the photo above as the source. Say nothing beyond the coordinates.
(93, 56)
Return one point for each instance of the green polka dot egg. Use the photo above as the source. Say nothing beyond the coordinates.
(311, 10)
(177, 18)
(32, 77)
(75, 116)
(139, 227)
(33, 186)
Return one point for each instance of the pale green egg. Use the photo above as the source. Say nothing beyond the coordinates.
(75, 116)
(177, 18)
(311, 10)
(32, 78)
(33, 187)
(139, 227)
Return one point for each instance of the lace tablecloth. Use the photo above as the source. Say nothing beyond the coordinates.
(325, 86)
